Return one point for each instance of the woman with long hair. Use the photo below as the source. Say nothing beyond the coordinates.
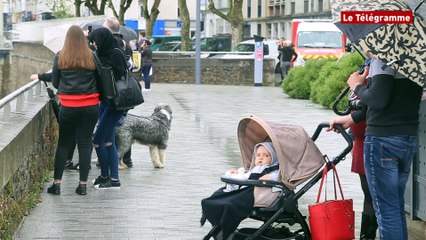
(74, 74)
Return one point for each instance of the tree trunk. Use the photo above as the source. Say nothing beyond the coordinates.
(237, 34)
(234, 17)
(93, 6)
(77, 5)
(185, 26)
(150, 16)
(124, 5)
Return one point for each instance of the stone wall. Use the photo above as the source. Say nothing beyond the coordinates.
(29, 58)
(213, 71)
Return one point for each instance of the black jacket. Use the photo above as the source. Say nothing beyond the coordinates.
(73, 81)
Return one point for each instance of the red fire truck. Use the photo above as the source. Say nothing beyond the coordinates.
(317, 38)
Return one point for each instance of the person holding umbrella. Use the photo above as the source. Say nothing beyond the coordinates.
(74, 74)
(392, 103)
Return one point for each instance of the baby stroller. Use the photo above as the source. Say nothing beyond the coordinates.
(276, 202)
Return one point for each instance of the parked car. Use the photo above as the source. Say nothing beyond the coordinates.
(218, 43)
(246, 49)
(171, 46)
(158, 41)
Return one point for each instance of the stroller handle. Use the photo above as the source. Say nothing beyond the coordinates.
(343, 133)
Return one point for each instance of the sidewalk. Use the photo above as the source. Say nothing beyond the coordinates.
(165, 203)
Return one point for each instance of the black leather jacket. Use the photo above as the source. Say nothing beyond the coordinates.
(73, 81)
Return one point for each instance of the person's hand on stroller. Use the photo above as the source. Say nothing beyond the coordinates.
(346, 121)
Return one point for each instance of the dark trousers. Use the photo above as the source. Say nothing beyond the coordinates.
(75, 123)
(145, 75)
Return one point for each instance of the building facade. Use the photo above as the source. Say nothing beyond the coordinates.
(267, 18)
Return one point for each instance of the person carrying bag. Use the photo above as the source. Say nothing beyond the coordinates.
(128, 91)
(332, 219)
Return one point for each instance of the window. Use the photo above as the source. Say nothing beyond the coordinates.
(293, 8)
(259, 8)
(320, 6)
(249, 9)
(259, 29)
(306, 10)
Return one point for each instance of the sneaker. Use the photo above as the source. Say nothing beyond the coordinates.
(81, 189)
(109, 184)
(128, 162)
(69, 165)
(99, 180)
(54, 189)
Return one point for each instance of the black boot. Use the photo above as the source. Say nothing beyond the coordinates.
(368, 227)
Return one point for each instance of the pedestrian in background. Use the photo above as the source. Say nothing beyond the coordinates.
(287, 56)
(74, 75)
(146, 55)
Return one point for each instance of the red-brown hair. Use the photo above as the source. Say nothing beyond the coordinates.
(76, 52)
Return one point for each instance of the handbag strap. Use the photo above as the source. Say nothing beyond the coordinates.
(124, 60)
(324, 175)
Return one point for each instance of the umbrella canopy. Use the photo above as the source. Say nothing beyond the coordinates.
(54, 37)
(127, 32)
(402, 46)
(298, 156)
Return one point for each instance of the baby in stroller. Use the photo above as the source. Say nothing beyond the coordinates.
(268, 195)
(263, 156)
(229, 205)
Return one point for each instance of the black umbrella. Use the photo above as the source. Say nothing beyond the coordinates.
(402, 46)
(127, 33)
(52, 100)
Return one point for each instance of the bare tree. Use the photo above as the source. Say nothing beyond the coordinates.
(95, 7)
(150, 16)
(185, 27)
(234, 17)
(124, 5)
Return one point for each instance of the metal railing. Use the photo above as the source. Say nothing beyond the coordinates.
(15, 102)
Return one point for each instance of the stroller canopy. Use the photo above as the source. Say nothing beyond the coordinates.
(298, 156)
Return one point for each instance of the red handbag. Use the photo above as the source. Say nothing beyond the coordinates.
(332, 219)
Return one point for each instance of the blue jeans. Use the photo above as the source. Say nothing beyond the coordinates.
(75, 123)
(387, 166)
(104, 138)
(145, 75)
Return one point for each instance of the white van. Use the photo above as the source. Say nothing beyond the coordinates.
(246, 49)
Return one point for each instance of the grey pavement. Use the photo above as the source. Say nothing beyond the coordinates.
(165, 203)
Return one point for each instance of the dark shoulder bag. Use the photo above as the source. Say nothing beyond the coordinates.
(105, 81)
(129, 91)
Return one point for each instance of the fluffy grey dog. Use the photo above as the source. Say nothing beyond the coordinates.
(152, 131)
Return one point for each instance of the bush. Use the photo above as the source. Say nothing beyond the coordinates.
(297, 84)
(332, 79)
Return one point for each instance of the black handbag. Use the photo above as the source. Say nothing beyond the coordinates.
(128, 91)
(105, 81)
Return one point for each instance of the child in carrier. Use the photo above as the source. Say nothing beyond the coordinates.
(229, 205)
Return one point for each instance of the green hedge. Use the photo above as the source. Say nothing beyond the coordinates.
(321, 80)
(332, 79)
(297, 84)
